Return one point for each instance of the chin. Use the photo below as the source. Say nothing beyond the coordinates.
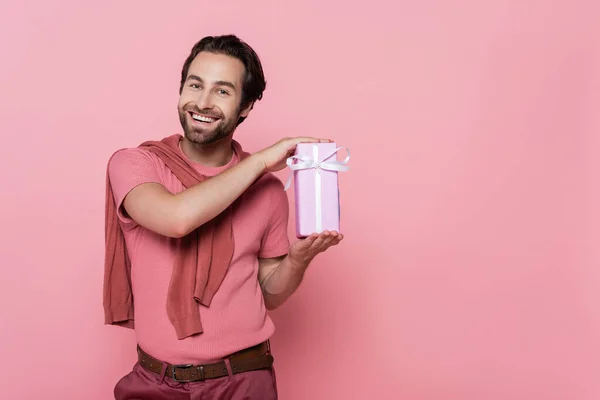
(203, 137)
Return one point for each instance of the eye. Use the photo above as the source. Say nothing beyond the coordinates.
(222, 92)
(194, 86)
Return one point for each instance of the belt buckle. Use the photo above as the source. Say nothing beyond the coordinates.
(200, 368)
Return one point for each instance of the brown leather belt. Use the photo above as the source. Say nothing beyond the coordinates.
(253, 358)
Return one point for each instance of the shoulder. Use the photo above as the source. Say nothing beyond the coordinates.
(132, 158)
(131, 154)
(268, 185)
(264, 193)
(274, 190)
(271, 181)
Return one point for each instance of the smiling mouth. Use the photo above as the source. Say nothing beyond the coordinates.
(203, 118)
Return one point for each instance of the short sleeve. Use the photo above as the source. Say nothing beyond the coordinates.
(275, 241)
(127, 169)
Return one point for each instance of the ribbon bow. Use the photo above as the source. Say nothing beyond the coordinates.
(308, 162)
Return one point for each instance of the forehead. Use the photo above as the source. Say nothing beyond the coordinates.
(213, 67)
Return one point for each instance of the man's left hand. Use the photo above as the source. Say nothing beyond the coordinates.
(303, 251)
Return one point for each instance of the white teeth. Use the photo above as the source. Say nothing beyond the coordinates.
(201, 118)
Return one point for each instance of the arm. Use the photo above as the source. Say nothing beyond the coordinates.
(278, 280)
(152, 206)
(280, 277)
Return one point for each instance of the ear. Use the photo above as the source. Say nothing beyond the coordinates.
(247, 110)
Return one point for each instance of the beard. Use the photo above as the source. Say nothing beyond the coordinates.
(217, 130)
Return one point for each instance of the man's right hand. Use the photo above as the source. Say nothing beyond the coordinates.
(275, 156)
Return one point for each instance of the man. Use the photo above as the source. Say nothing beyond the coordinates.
(197, 234)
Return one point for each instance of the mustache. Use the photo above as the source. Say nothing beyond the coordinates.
(207, 112)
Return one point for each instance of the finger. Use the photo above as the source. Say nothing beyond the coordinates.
(328, 239)
(336, 239)
(331, 235)
(308, 139)
(318, 242)
(303, 139)
(327, 243)
(309, 241)
(327, 234)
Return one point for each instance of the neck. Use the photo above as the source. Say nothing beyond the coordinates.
(214, 154)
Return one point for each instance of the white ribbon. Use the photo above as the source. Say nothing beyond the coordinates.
(308, 162)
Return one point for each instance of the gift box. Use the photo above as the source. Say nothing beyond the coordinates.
(317, 199)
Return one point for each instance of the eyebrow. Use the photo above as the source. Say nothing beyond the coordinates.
(218, 83)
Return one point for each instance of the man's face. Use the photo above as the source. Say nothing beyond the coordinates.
(209, 104)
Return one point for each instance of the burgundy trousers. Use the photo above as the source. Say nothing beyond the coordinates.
(141, 384)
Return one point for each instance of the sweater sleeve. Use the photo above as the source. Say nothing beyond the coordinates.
(127, 169)
(275, 240)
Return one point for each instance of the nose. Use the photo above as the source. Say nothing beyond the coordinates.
(204, 100)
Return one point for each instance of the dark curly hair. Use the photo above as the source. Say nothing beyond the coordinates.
(254, 80)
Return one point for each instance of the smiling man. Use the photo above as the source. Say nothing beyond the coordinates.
(196, 233)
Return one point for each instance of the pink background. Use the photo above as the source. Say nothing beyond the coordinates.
(470, 267)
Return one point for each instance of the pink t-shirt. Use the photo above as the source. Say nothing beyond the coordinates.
(237, 317)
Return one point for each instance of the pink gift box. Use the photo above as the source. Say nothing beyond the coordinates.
(316, 188)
